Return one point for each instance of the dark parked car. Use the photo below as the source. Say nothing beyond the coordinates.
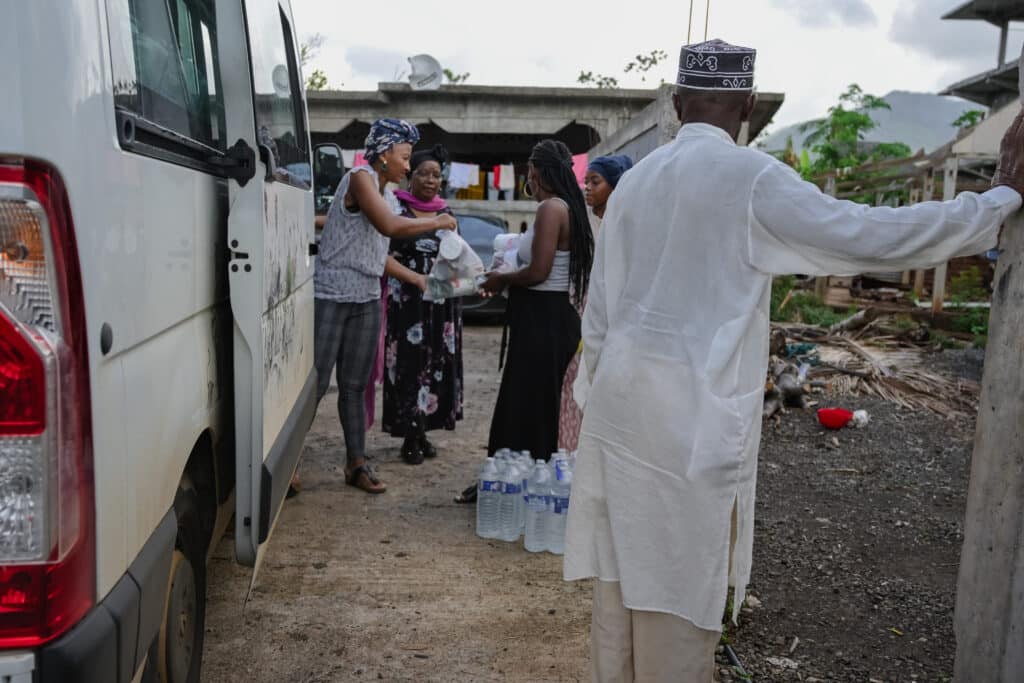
(480, 232)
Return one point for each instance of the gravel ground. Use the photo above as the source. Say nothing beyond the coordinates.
(856, 551)
(857, 543)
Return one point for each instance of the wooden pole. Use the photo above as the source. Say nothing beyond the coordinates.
(989, 618)
(927, 194)
(913, 197)
(821, 283)
(948, 193)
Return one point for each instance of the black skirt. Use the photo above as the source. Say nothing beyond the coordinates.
(544, 333)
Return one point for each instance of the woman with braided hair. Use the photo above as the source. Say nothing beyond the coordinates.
(543, 307)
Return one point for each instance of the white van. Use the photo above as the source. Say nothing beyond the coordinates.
(156, 320)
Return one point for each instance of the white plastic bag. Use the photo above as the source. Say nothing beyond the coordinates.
(457, 271)
(506, 253)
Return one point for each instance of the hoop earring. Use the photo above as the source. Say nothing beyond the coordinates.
(527, 190)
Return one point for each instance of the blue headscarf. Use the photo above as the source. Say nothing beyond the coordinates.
(611, 167)
(386, 133)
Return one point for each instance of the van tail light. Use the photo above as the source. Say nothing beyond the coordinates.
(47, 535)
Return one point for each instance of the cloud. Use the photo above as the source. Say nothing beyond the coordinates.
(374, 62)
(969, 45)
(838, 13)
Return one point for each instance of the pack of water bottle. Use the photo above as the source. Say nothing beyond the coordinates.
(519, 496)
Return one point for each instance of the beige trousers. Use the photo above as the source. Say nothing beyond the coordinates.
(631, 646)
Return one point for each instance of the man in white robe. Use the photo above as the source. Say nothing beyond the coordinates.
(676, 345)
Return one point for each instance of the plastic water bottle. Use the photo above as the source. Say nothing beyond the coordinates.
(525, 468)
(487, 500)
(511, 496)
(538, 506)
(560, 490)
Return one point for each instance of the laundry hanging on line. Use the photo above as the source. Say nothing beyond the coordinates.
(461, 176)
(504, 177)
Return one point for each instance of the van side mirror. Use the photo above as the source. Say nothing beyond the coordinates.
(328, 168)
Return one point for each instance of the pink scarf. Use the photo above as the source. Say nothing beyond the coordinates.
(410, 200)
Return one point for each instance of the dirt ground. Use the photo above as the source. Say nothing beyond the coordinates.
(855, 561)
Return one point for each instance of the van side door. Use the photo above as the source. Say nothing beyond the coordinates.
(270, 233)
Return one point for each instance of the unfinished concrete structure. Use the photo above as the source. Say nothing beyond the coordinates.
(491, 125)
(996, 87)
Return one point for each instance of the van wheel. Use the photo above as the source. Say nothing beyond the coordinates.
(177, 654)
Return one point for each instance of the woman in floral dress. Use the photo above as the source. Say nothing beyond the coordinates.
(423, 345)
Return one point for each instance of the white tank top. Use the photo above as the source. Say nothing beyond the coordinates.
(558, 278)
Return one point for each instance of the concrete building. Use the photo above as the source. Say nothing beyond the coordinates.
(492, 125)
(996, 87)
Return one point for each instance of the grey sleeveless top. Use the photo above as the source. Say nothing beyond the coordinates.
(350, 260)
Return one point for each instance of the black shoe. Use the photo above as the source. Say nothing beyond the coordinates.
(412, 454)
(427, 448)
(468, 495)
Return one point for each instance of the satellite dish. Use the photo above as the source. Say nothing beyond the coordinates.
(426, 73)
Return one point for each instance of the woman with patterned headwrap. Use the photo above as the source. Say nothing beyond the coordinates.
(543, 304)
(423, 346)
(602, 176)
(362, 220)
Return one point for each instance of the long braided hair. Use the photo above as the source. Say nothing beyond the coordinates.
(553, 162)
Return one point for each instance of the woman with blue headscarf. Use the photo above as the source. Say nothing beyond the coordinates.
(360, 224)
(602, 176)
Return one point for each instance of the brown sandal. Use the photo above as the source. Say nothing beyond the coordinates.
(364, 478)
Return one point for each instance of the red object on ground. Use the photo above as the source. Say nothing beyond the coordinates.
(834, 418)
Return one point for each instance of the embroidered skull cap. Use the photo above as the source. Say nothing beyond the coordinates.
(716, 65)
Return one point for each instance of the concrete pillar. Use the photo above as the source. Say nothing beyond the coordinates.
(1004, 30)
(989, 619)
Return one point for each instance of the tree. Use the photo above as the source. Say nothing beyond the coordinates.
(838, 139)
(644, 63)
(969, 119)
(455, 78)
(317, 80)
(641, 64)
(597, 80)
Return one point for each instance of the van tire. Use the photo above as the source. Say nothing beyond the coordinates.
(177, 654)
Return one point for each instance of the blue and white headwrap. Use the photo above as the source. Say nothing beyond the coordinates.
(386, 133)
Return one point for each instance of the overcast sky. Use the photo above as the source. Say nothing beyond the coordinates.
(808, 49)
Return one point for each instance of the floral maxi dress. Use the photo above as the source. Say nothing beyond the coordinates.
(423, 348)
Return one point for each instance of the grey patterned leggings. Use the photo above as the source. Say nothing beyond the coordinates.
(346, 337)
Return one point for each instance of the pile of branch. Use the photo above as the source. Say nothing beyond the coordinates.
(862, 356)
